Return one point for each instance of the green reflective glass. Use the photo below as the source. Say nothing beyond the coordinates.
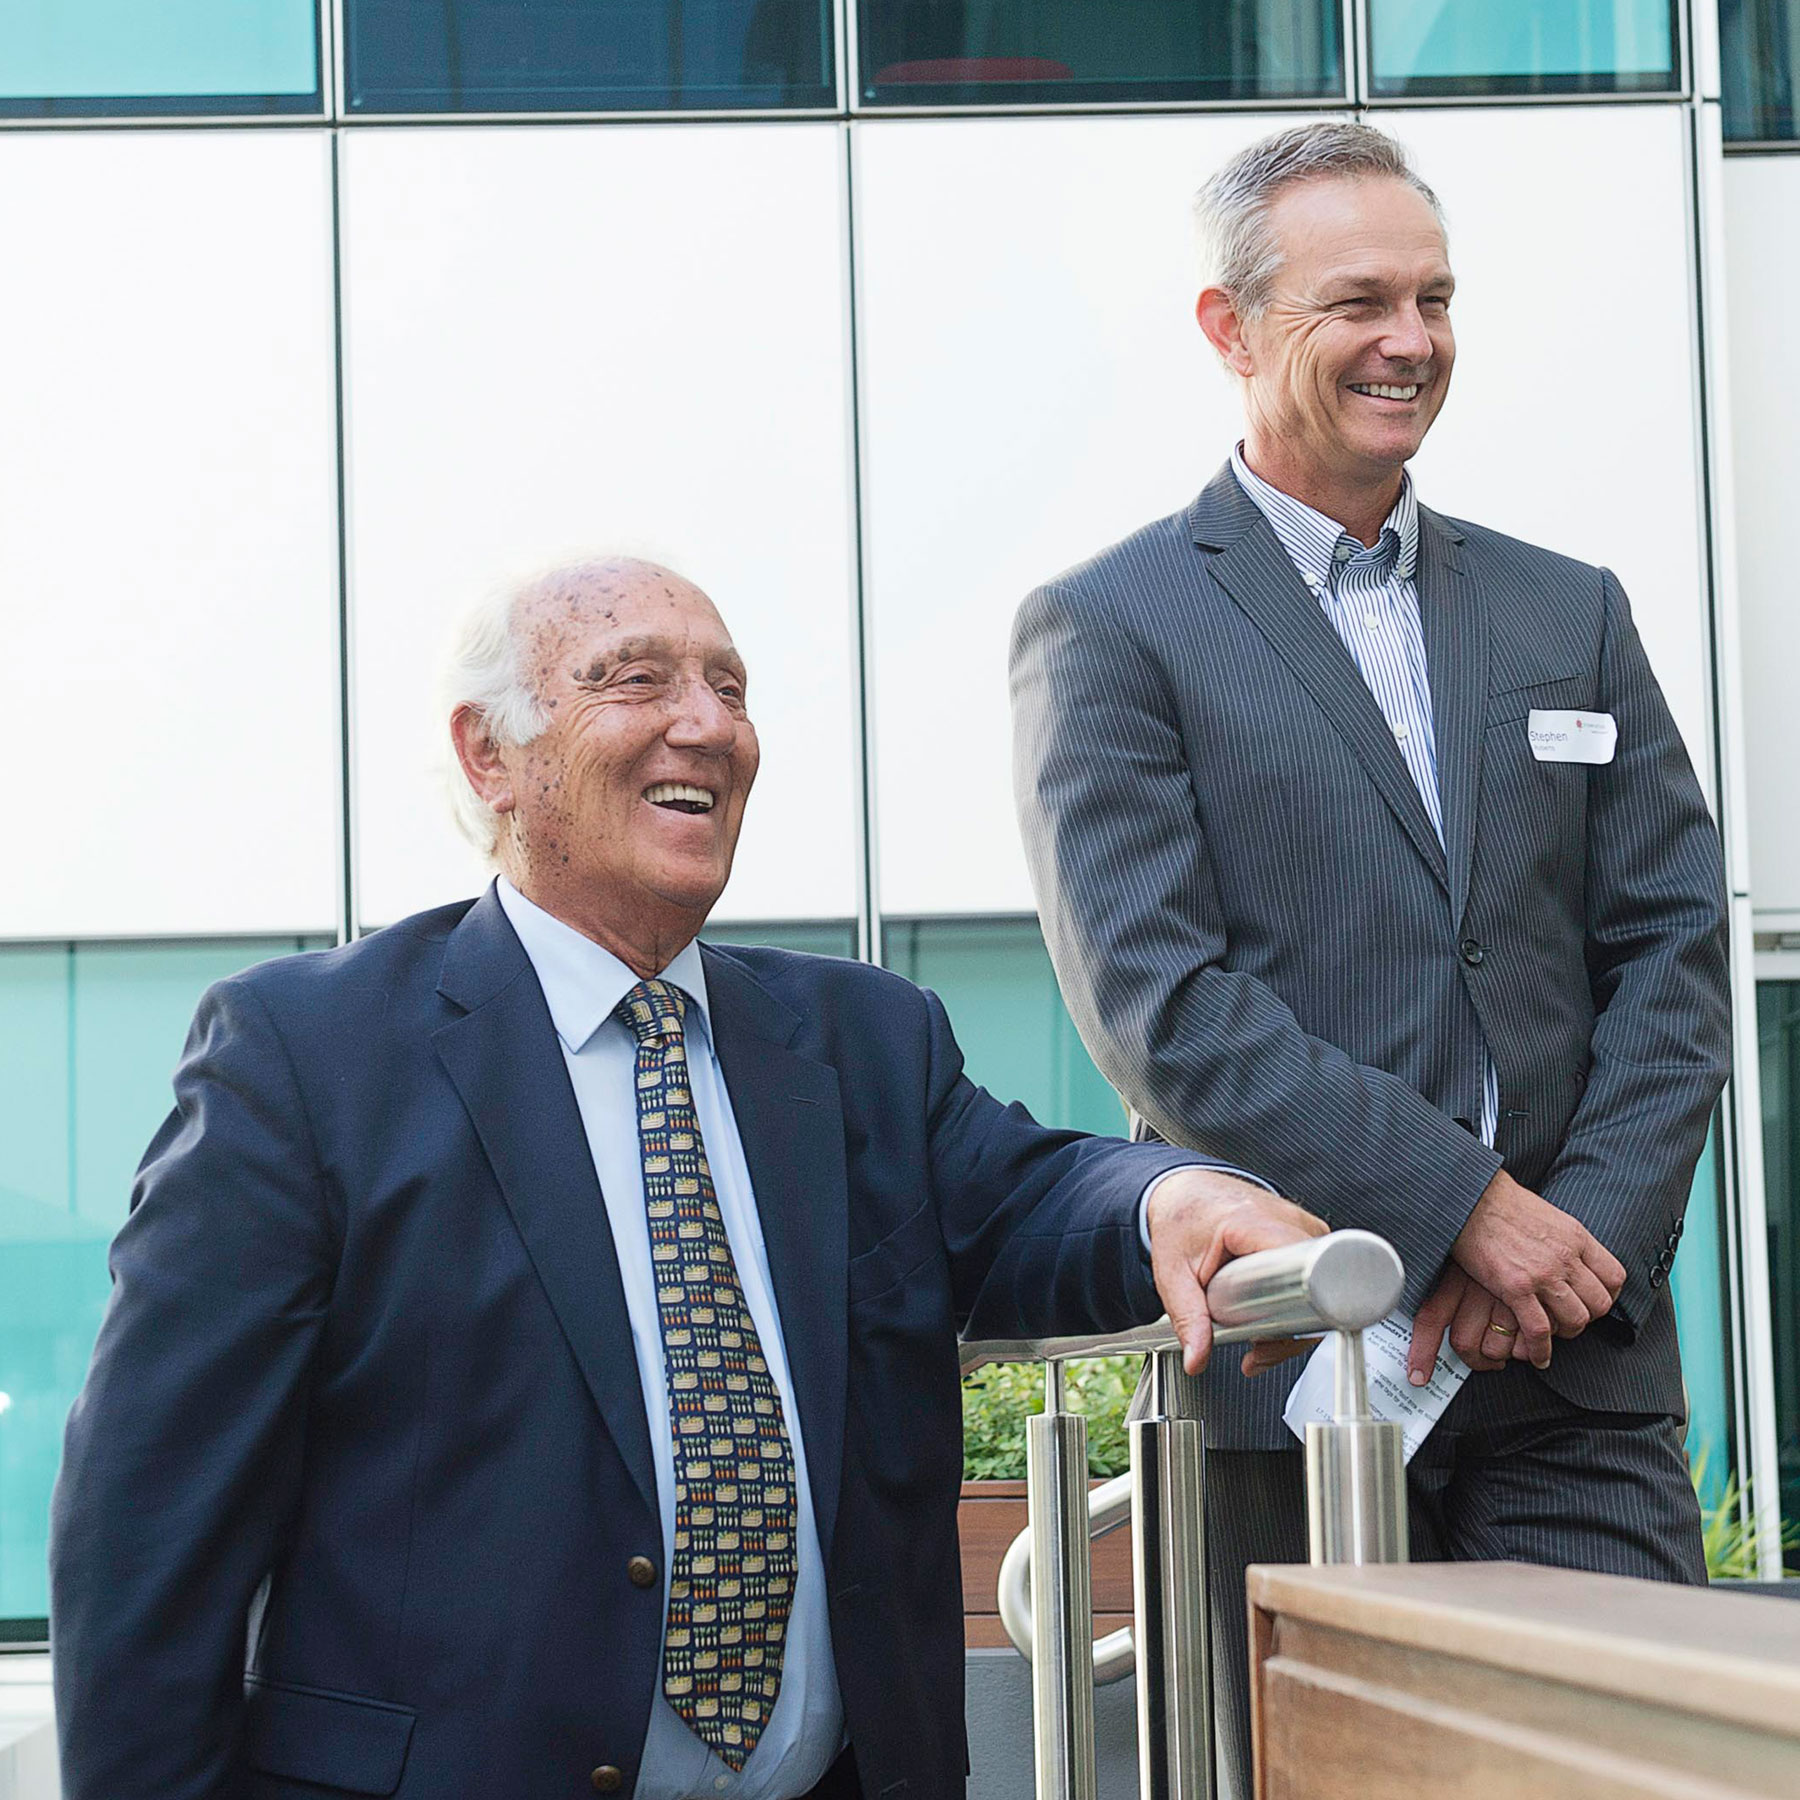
(1759, 58)
(92, 1034)
(1464, 47)
(107, 56)
(1079, 52)
(1778, 1039)
(995, 980)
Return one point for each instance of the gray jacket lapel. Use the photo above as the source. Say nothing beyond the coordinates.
(1454, 615)
(1253, 568)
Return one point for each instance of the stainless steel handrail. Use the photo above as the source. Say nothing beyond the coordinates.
(1340, 1283)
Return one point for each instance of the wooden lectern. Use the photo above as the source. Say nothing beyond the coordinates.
(1507, 1682)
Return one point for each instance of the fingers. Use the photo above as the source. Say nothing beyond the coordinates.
(1534, 1330)
(1184, 1299)
(1606, 1266)
(1258, 1222)
(1499, 1337)
(1273, 1351)
(1469, 1332)
(1591, 1292)
(1568, 1312)
(1430, 1323)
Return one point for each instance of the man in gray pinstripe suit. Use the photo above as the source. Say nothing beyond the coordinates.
(1338, 890)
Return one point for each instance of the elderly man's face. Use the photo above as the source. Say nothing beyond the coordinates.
(1350, 362)
(625, 811)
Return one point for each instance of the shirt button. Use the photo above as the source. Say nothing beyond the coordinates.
(641, 1572)
(1402, 733)
(1341, 554)
(1471, 952)
(721, 1782)
(1370, 620)
(606, 1779)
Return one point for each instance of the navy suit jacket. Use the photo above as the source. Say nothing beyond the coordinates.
(366, 1388)
(1271, 955)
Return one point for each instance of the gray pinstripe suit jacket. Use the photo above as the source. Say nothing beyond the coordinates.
(1271, 957)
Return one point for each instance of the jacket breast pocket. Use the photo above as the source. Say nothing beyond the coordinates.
(896, 1257)
(1553, 694)
(337, 1741)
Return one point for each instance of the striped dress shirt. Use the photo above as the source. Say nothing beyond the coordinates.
(1368, 594)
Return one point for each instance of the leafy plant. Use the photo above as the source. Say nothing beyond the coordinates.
(1727, 1529)
(1000, 1397)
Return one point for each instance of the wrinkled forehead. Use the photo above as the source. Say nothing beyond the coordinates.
(1368, 225)
(615, 609)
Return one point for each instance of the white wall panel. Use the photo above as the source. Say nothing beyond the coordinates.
(168, 531)
(582, 338)
(1571, 421)
(1762, 242)
(1032, 387)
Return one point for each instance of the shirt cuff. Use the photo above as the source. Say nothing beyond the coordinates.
(1158, 1180)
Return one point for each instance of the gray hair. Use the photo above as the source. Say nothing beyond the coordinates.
(1231, 212)
(484, 670)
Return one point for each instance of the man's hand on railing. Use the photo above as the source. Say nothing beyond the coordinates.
(1199, 1219)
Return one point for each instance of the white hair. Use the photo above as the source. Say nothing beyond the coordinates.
(1239, 250)
(484, 671)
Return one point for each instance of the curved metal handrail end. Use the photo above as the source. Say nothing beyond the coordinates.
(1115, 1655)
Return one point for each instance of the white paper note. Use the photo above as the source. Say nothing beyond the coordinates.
(1391, 1395)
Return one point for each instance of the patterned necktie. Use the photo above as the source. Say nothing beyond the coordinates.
(731, 1584)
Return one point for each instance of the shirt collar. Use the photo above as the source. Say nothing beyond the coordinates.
(1311, 539)
(583, 982)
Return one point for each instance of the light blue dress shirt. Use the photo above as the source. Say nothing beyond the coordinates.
(1367, 593)
(582, 984)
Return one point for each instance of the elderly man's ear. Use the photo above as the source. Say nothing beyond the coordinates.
(480, 758)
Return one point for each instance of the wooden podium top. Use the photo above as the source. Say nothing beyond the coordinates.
(1502, 1678)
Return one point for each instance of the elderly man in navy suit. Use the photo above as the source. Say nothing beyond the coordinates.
(1370, 857)
(535, 1333)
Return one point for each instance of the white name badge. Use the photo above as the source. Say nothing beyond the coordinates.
(1578, 737)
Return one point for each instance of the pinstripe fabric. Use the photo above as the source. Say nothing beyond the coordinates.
(1368, 595)
(1275, 955)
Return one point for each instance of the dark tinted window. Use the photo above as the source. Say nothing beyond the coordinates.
(1760, 51)
(1463, 47)
(1037, 52)
(412, 56)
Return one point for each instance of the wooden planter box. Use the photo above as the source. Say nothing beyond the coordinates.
(990, 1516)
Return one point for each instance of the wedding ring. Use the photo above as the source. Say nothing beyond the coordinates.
(1502, 1330)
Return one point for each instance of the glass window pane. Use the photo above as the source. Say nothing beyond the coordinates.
(1026, 52)
(414, 56)
(92, 1034)
(1697, 1284)
(995, 980)
(61, 57)
(1778, 1034)
(1759, 52)
(1545, 47)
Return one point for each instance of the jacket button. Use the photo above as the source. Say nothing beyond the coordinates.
(1674, 1239)
(1471, 952)
(607, 1779)
(641, 1572)
(1656, 1275)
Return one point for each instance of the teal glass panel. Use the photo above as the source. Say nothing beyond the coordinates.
(93, 1032)
(1083, 52)
(1759, 60)
(1697, 1283)
(995, 980)
(816, 937)
(78, 56)
(1778, 1039)
(1472, 47)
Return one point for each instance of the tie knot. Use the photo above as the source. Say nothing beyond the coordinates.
(655, 1011)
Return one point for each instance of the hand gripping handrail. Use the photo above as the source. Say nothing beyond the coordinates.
(1339, 1283)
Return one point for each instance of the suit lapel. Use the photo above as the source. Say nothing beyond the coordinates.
(1454, 616)
(1257, 573)
(790, 1119)
(502, 1055)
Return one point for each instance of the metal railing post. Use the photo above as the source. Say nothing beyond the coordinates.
(1062, 1607)
(1355, 1473)
(1168, 1577)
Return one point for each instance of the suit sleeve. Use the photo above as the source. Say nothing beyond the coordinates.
(1661, 1047)
(182, 1458)
(1040, 1226)
(1210, 1057)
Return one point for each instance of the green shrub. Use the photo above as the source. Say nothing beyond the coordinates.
(1000, 1397)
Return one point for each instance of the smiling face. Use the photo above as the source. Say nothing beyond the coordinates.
(622, 816)
(1346, 368)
